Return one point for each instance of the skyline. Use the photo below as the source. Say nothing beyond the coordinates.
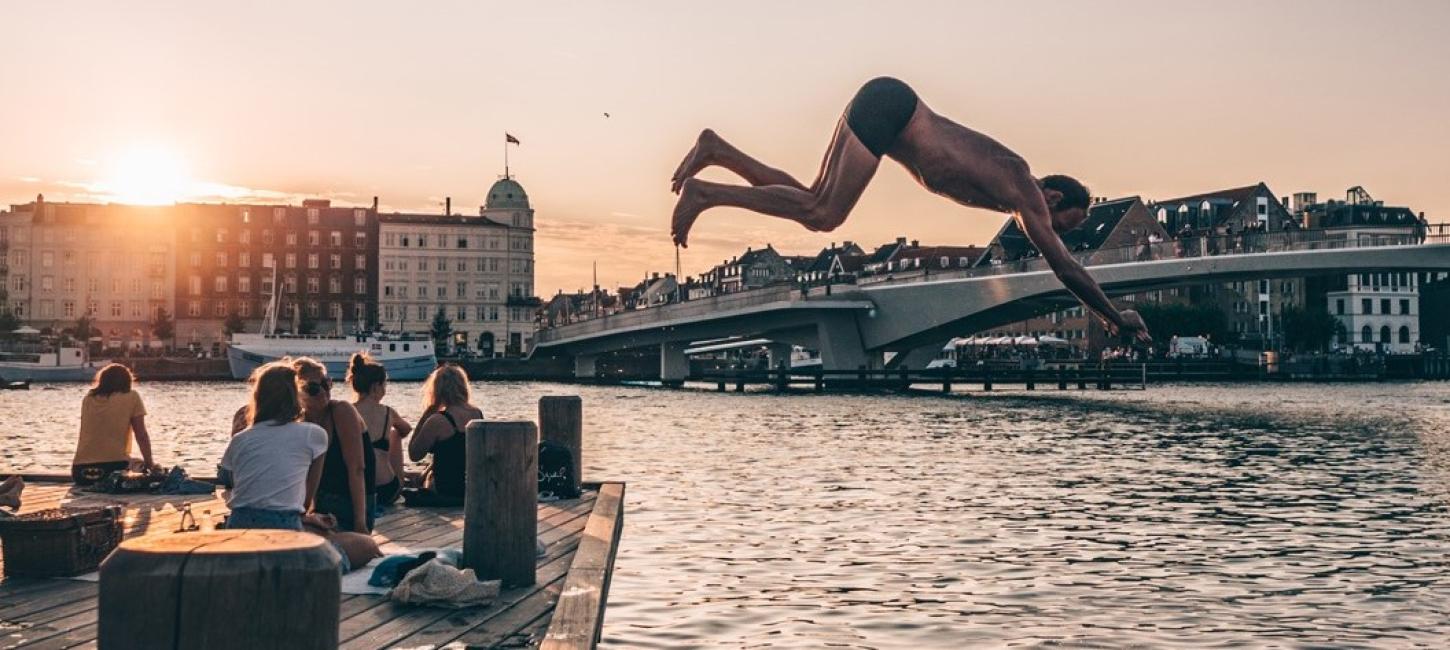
(271, 105)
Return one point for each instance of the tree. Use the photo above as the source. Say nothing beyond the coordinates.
(442, 329)
(162, 327)
(8, 322)
(85, 328)
(1309, 329)
(234, 324)
(1165, 321)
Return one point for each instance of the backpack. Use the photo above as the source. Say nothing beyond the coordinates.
(556, 472)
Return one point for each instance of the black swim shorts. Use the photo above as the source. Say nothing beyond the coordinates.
(879, 113)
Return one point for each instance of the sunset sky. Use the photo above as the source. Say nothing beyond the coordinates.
(276, 101)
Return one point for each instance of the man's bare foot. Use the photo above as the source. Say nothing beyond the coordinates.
(687, 209)
(700, 156)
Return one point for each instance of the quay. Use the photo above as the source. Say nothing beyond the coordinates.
(563, 609)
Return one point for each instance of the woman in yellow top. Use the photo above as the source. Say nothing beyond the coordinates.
(110, 414)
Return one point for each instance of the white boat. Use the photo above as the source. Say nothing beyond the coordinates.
(404, 357)
(61, 364)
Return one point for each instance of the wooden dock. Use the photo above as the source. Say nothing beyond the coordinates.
(563, 609)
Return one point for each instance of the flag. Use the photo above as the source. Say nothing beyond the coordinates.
(507, 139)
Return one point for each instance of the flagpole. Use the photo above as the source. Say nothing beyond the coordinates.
(505, 155)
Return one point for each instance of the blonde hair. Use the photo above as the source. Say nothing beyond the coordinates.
(446, 386)
(306, 366)
(274, 394)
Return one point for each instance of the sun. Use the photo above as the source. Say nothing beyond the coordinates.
(147, 175)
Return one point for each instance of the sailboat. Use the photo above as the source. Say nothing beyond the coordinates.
(404, 356)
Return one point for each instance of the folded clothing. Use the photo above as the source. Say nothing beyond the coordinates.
(440, 584)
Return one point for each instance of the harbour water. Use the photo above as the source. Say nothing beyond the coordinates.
(1194, 515)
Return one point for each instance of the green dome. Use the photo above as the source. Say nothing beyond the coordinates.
(506, 193)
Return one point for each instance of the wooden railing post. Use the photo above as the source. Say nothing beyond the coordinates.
(561, 420)
(500, 506)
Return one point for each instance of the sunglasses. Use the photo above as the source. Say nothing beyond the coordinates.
(315, 388)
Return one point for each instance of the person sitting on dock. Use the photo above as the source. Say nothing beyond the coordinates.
(10, 490)
(446, 409)
(886, 119)
(273, 463)
(386, 429)
(111, 415)
(346, 488)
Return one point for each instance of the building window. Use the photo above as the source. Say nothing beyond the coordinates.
(312, 260)
(221, 235)
(313, 310)
(462, 290)
(1385, 334)
(291, 261)
(1366, 306)
(244, 284)
(194, 285)
(267, 237)
(334, 285)
(1339, 306)
(360, 285)
(193, 308)
(334, 261)
(360, 239)
(279, 215)
(334, 310)
(314, 238)
(244, 259)
(291, 239)
(1384, 305)
(359, 311)
(221, 284)
(69, 308)
(314, 284)
(462, 312)
(463, 242)
(244, 309)
(268, 261)
(220, 309)
(359, 262)
(244, 237)
(221, 258)
(312, 217)
(335, 238)
(359, 217)
(1405, 306)
(246, 215)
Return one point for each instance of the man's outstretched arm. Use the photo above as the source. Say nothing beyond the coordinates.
(1036, 222)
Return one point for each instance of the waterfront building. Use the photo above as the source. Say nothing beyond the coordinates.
(934, 258)
(111, 263)
(1376, 311)
(1224, 221)
(325, 259)
(835, 263)
(479, 270)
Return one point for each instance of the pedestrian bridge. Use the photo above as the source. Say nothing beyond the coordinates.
(854, 324)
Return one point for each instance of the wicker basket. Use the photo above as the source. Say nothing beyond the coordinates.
(59, 541)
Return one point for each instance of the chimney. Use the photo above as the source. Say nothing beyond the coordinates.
(375, 203)
(916, 243)
(900, 241)
(447, 206)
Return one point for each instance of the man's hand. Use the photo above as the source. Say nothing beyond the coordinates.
(1132, 325)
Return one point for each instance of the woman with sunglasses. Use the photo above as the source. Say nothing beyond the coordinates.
(346, 487)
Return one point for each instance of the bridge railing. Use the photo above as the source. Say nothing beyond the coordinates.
(674, 310)
(1186, 247)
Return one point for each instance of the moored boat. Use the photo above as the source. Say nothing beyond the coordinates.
(405, 358)
(59, 364)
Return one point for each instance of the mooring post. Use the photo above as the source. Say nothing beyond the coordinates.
(820, 380)
(946, 380)
(500, 505)
(904, 383)
(987, 378)
(1081, 380)
(1061, 378)
(1031, 379)
(782, 379)
(561, 420)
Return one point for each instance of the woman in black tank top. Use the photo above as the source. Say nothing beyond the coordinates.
(344, 488)
(446, 408)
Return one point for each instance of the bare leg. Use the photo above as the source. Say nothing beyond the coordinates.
(847, 169)
(711, 149)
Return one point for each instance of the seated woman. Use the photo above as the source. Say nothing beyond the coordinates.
(446, 408)
(273, 463)
(111, 414)
(386, 429)
(346, 488)
(10, 491)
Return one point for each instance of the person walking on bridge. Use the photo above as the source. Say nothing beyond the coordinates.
(886, 118)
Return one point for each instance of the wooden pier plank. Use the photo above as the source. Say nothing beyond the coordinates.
(579, 614)
(57, 613)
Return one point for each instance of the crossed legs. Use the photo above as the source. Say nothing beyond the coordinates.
(845, 171)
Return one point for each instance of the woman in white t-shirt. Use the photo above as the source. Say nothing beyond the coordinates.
(276, 460)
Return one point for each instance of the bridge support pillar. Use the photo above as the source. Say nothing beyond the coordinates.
(585, 366)
(674, 365)
(841, 346)
(779, 353)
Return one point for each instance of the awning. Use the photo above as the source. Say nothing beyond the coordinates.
(1049, 339)
(1025, 340)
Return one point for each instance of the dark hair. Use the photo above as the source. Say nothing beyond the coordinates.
(114, 378)
(363, 373)
(1074, 194)
(274, 394)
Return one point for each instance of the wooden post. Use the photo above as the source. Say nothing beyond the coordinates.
(782, 380)
(1031, 379)
(500, 505)
(905, 384)
(820, 380)
(987, 378)
(739, 384)
(946, 381)
(1061, 378)
(720, 385)
(1081, 381)
(221, 589)
(561, 420)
